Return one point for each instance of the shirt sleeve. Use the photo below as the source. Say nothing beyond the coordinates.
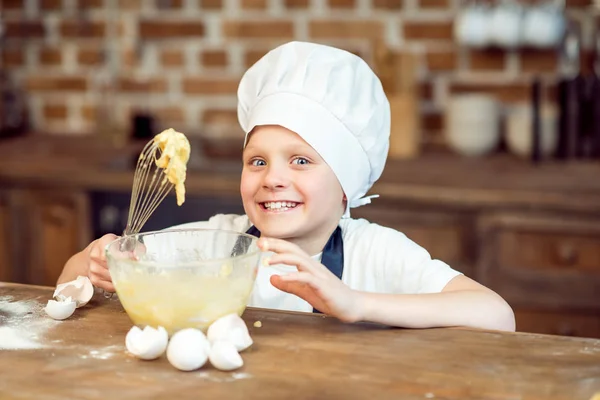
(401, 265)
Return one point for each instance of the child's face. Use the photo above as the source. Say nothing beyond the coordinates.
(288, 191)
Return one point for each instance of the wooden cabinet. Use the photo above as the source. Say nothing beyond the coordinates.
(42, 229)
(546, 265)
(564, 323)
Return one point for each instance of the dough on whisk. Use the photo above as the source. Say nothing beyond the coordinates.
(175, 153)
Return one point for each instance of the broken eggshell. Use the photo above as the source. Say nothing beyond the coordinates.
(147, 344)
(230, 328)
(61, 309)
(80, 290)
(224, 356)
(188, 349)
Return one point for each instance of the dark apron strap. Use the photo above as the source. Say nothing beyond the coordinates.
(333, 253)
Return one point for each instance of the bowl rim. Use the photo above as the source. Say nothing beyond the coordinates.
(171, 230)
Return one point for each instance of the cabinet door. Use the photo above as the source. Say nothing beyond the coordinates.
(581, 324)
(548, 262)
(58, 228)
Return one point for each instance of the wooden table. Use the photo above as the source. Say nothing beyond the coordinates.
(293, 356)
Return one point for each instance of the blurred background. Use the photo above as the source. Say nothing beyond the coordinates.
(494, 162)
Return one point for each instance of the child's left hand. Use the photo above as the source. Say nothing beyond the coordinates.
(313, 282)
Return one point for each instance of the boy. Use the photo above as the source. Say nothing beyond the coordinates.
(317, 126)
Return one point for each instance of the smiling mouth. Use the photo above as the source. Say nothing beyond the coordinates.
(279, 205)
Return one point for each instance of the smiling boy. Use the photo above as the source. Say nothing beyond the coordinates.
(317, 126)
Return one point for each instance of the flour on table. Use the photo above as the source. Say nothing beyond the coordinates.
(22, 324)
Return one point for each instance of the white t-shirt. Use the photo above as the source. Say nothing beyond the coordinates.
(376, 259)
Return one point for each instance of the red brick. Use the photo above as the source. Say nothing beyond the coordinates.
(441, 60)
(82, 29)
(130, 57)
(214, 58)
(55, 111)
(89, 112)
(487, 60)
(131, 84)
(49, 5)
(434, 4)
(341, 3)
(263, 29)
(24, 29)
(296, 4)
(168, 4)
(219, 116)
(130, 4)
(87, 56)
(90, 4)
(44, 83)
(210, 86)
(211, 4)
(158, 29)
(254, 4)
(172, 113)
(506, 92)
(359, 29)
(428, 30)
(12, 5)
(13, 57)
(539, 61)
(252, 56)
(50, 56)
(388, 4)
(172, 58)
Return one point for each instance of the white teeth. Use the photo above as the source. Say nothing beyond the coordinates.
(280, 205)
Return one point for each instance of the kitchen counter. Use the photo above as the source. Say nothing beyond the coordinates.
(434, 179)
(293, 356)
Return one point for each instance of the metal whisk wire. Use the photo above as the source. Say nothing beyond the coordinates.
(150, 187)
(146, 194)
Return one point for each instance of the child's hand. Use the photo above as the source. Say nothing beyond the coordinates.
(97, 267)
(313, 282)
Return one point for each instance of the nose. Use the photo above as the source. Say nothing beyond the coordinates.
(275, 177)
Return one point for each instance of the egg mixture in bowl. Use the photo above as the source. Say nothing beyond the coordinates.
(183, 278)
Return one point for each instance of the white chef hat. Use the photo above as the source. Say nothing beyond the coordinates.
(332, 99)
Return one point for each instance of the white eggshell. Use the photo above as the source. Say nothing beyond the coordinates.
(60, 309)
(147, 344)
(230, 328)
(80, 290)
(188, 349)
(224, 356)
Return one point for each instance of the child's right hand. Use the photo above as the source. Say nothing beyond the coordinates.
(97, 266)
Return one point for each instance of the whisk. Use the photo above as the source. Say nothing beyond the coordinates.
(150, 187)
(152, 182)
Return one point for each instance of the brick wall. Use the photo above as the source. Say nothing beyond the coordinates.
(182, 59)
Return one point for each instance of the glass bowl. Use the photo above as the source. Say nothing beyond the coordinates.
(183, 278)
